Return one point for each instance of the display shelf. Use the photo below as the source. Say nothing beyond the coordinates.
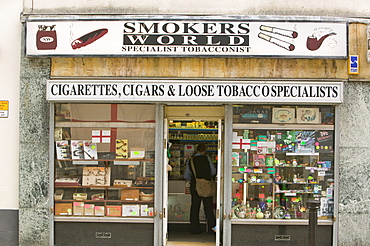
(104, 124)
(194, 140)
(70, 218)
(239, 126)
(301, 154)
(106, 160)
(303, 222)
(194, 129)
(105, 201)
(103, 187)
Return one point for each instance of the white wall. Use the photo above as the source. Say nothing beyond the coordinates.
(338, 8)
(10, 43)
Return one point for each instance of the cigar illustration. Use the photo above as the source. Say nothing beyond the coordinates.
(280, 31)
(88, 38)
(278, 42)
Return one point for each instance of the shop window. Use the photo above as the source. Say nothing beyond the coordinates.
(104, 160)
(282, 157)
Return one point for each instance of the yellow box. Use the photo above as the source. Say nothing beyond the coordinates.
(63, 209)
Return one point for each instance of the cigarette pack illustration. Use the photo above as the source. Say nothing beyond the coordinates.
(46, 38)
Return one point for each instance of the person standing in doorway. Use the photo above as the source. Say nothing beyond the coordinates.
(204, 168)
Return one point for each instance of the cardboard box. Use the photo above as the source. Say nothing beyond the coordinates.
(79, 196)
(130, 210)
(114, 210)
(96, 176)
(122, 183)
(89, 209)
(58, 194)
(130, 194)
(78, 208)
(63, 209)
(137, 153)
(99, 210)
(144, 210)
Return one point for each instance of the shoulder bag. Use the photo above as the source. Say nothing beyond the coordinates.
(204, 188)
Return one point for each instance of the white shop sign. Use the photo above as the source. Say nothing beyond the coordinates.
(192, 37)
(194, 91)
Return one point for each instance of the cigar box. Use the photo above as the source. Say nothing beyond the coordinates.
(89, 209)
(114, 210)
(78, 208)
(63, 209)
(130, 210)
(130, 194)
(99, 210)
(122, 183)
(137, 153)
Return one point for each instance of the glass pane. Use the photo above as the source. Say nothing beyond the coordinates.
(104, 160)
(282, 157)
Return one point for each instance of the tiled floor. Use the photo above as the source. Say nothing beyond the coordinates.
(185, 238)
(173, 243)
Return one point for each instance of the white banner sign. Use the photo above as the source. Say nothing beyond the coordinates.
(194, 91)
(197, 38)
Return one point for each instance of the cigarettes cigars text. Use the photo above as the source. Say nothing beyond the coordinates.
(164, 91)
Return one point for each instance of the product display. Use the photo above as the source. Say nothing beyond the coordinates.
(183, 137)
(96, 176)
(284, 168)
(88, 182)
(121, 148)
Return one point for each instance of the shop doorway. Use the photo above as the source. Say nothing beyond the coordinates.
(185, 128)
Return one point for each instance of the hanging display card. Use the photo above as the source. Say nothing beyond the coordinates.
(90, 150)
(283, 115)
(305, 142)
(285, 141)
(235, 158)
(308, 115)
(121, 148)
(324, 141)
(77, 149)
(63, 150)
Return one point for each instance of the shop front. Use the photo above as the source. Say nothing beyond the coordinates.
(120, 144)
(120, 166)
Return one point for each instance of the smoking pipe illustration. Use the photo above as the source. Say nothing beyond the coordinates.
(314, 44)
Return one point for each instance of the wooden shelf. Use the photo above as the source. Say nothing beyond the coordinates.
(103, 201)
(105, 124)
(194, 129)
(106, 160)
(103, 187)
(283, 126)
